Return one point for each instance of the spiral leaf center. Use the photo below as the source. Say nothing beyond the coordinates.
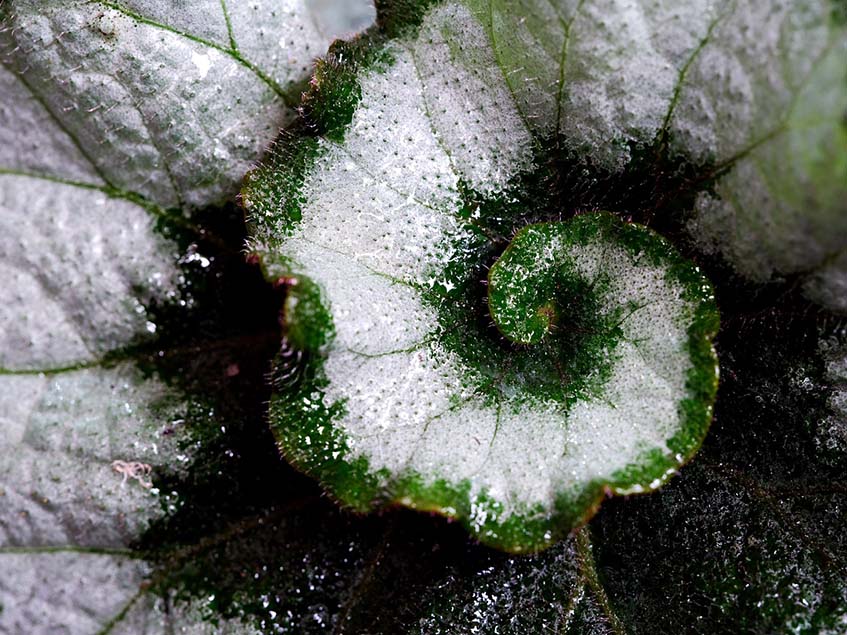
(535, 289)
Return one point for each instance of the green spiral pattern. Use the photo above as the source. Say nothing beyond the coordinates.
(452, 344)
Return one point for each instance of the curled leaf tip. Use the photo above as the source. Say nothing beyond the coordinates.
(535, 289)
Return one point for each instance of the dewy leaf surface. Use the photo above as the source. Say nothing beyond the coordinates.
(173, 102)
(80, 268)
(387, 220)
(84, 430)
(109, 113)
(94, 425)
(768, 488)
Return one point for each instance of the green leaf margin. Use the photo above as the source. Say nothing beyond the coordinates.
(312, 445)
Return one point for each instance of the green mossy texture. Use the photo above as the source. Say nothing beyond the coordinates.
(302, 420)
(749, 538)
(752, 532)
(300, 416)
(305, 433)
(711, 552)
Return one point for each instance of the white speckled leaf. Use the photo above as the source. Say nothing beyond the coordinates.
(84, 431)
(79, 267)
(394, 217)
(66, 592)
(382, 210)
(104, 105)
(776, 100)
(172, 101)
(81, 437)
(62, 437)
(386, 214)
(89, 592)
